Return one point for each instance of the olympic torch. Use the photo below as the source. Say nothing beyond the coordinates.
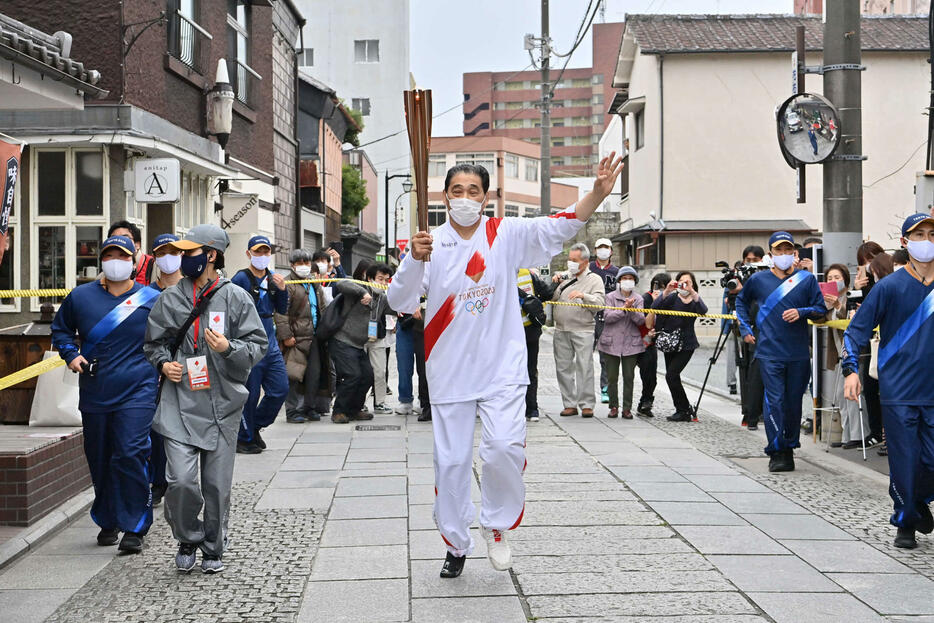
(418, 124)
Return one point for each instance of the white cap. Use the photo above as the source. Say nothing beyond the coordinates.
(603, 242)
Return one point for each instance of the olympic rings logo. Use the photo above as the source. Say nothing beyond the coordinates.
(477, 307)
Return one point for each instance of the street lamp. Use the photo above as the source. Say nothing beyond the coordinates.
(386, 201)
(219, 112)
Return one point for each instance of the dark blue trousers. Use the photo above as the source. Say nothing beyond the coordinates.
(909, 433)
(117, 447)
(157, 460)
(785, 383)
(268, 375)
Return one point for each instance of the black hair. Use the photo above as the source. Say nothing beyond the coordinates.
(320, 254)
(660, 280)
(814, 240)
(755, 250)
(378, 267)
(299, 255)
(134, 230)
(900, 257)
(471, 169)
(689, 274)
(842, 269)
(218, 260)
(359, 273)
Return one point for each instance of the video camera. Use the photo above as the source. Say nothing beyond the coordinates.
(734, 276)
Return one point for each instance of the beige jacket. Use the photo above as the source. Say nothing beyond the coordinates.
(578, 318)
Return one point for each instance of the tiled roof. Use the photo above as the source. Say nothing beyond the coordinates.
(765, 33)
(46, 53)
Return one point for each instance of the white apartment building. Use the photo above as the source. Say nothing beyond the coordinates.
(361, 49)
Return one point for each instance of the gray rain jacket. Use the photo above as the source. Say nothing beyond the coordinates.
(196, 418)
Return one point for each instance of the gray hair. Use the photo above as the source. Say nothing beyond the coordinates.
(580, 246)
(299, 255)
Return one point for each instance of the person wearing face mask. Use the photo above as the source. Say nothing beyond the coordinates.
(142, 263)
(204, 336)
(648, 359)
(850, 413)
(864, 283)
(575, 330)
(117, 394)
(902, 305)
(621, 340)
(305, 357)
(603, 266)
(270, 376)
(787, 298)
(168, 261)
(475, 352)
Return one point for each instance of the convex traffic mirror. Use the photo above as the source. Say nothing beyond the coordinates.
(808, 129)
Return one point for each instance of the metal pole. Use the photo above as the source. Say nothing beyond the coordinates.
(843, 179)
(800, 51)
(930, 159)
(386, 226)
(545, 175)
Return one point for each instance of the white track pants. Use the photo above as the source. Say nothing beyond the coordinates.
(502, 451)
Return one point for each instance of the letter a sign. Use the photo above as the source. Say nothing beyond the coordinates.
(157, 180)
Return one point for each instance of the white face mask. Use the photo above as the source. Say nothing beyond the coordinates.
(465, 212)
(573, 267)
(603, 254)
(169, 263)
(783, 262)
(921, 250)
(260, 262)
(117, 270)
(301, 270)
(626, 285)
(322, 268)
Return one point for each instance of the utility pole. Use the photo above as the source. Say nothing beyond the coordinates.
(843, 173)
(545, 174)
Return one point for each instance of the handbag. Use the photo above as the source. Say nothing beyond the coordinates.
(56, 398)
(669, 341)
(874, 356)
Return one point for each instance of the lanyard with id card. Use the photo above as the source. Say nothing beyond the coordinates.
(198, 377)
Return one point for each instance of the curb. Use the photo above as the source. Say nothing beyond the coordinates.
(47, 527)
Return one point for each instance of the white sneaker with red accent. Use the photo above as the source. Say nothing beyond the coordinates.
(497, 549)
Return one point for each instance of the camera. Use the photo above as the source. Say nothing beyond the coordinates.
(734, 276)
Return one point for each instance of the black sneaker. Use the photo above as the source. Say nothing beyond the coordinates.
(753, 425)
(782, 461)
(732, 390)
(132, 543)
(807, 427)
(872, 441)
(312, 416)
(849, 445)
(426, 415)
(925, 525)
(645, 410)
(158, 492)
(533, 416)
(107, 537)
(905, 538)
(295, 418)
(678, 416)
(258, 440)
(247, 447)
(883, 450)
(453, 565)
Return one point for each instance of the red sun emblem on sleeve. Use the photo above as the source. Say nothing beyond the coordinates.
(475, 267)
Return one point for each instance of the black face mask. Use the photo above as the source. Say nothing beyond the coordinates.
(194, 265)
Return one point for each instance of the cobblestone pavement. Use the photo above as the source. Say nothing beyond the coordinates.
(626, 520)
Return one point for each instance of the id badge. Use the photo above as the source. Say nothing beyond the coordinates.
(372, 331)
(198, 373)
(216, 322)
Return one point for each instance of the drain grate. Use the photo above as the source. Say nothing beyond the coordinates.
(367, 428)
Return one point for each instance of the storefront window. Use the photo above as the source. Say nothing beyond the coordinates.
(51, 168)
(89, 183)
(51, 242)
(87, 243)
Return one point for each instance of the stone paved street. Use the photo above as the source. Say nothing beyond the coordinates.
(626, 520)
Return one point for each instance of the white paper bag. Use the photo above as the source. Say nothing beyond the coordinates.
(56, 399)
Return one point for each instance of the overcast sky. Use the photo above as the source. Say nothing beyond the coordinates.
(449, 38)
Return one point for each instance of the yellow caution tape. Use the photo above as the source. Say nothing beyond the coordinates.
(15, 294)
(46, 365)
(832, 324)
(663, 312)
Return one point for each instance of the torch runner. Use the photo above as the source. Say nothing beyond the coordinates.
(418, 124)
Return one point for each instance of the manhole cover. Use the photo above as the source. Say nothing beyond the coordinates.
(760, 465)
(364, 427)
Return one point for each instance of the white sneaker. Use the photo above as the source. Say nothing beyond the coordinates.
(404, 408)
(497, 549)
(382, 409)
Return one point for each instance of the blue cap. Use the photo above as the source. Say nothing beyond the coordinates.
(120, 242)
(914, 220)
(162, 240)
(627, 270)
(779, 237)
(258, 241)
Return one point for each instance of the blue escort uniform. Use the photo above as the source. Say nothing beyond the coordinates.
(782, 348)
(118, 402)
(269, 375)
(902, 306)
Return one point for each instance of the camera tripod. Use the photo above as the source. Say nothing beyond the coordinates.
(740, 350)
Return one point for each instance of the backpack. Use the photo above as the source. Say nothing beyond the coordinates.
(254, 283)
(332, 319)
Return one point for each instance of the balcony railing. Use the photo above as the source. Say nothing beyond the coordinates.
(186, 40)
(244, 81)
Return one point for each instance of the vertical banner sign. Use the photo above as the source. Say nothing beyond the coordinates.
(9, 157)
(418, 124)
